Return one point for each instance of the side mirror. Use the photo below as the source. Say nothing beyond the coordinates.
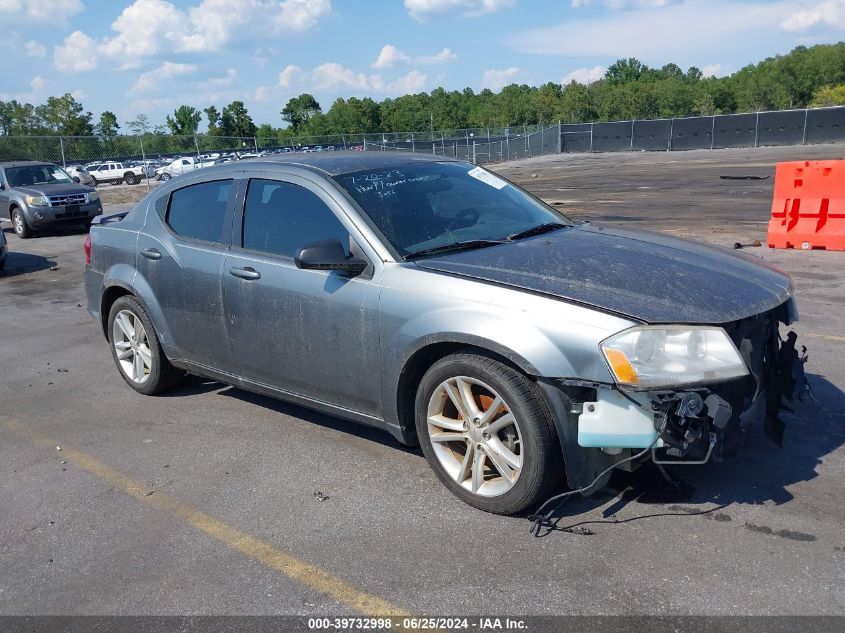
(328, 255)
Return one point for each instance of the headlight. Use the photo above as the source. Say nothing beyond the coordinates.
(93, 196)
(36, 201)
(651, 357)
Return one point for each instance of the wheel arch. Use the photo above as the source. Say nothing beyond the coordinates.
(429, 352)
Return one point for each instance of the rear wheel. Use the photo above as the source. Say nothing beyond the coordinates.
(130, 178)
(487, 433)
(22, 229)
(136, 349)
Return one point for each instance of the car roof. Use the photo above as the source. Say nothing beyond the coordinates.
(21, 163)
(335, 163)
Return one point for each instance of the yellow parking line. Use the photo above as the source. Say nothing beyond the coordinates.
(304, 573)
(827, 337)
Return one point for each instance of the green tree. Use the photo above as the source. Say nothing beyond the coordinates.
(235, 120)
(625, 70)
(139, 125)
(108, 126)
(829, 96)
(213, 120)
(185, 121)
(299, 110)
(65, 116)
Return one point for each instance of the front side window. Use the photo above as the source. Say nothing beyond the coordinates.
(199, 211)
(280, 218)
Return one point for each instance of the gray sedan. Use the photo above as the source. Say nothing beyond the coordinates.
(436, 300)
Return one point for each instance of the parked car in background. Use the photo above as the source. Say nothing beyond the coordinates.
(35, 195)
(117, 172)
(180, 166)
(80, 174)
(436, 300)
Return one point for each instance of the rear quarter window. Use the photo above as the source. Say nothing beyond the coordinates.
(199, 211)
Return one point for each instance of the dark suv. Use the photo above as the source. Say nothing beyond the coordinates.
(35, 195)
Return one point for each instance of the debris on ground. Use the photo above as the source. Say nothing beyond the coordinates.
(743, 177)
(319, 496)
(755, 243)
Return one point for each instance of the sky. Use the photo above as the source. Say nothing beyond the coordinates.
(151, 56)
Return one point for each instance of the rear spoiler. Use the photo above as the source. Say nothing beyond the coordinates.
(106, 219)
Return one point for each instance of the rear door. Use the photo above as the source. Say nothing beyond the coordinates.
(312, 333)
(180, 256)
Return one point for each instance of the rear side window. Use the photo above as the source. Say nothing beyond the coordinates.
(199, 211)
(280, 218)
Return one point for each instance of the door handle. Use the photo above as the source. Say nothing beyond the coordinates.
(151, 253)
(247, 272)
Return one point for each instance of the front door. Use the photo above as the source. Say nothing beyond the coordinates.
(312, 333)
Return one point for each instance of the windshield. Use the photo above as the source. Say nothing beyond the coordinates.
(36, 175)
(424, 206)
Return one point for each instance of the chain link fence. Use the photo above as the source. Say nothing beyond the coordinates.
(79, 150)
(482, 145)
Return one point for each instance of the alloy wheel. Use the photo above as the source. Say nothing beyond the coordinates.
(475, 436)
(132, 347)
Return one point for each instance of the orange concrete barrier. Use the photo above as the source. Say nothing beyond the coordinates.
(808, 207)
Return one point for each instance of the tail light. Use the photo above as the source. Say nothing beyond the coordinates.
(87, 248)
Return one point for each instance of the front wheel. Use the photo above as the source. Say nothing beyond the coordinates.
(22, 229)
(165, 177)
(487, 433)
(136, 349)
(94, 182)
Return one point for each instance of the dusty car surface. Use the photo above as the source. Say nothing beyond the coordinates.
(438, 301)
(36, 195)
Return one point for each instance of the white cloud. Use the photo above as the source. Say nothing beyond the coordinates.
(830, 13)
(35, 49)
(713, 70)
(288, 75)
(157, 79)
(390, 56)
(446, 55)
(425, 10)
(148, 28)
(618, 5)
(40, 10)
(658, 34)
(78, 53)
(332, 75)
(584, 76)
(498, 79)
(411, 83)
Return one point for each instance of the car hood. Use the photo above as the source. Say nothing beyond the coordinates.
(645, 276)
(53, 189)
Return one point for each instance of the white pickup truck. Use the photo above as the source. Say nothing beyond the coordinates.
(181, 165)
(116, 173)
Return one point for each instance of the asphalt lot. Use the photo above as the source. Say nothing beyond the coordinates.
(205, 501)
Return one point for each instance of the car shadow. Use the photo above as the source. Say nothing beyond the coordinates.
(760, 473)
(23, 263)
(194, 385)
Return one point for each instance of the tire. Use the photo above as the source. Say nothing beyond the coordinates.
(154, 377)
(165, 177)
(22, 229)
(94, 182)
(2, 263)
(530, 440)
(130, 178)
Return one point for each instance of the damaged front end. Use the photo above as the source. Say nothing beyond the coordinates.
(749, 374)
